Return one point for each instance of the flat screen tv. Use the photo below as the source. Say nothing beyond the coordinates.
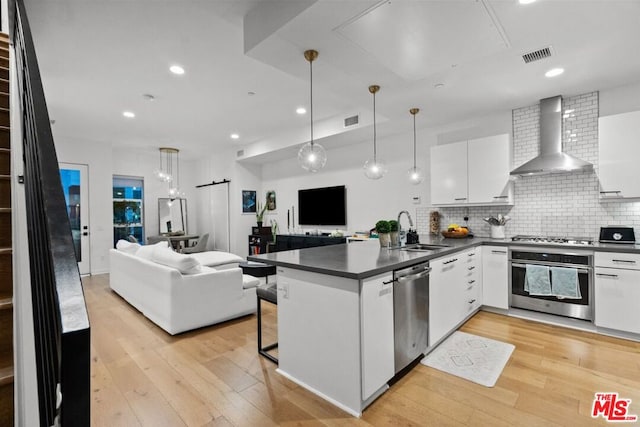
(322, 206)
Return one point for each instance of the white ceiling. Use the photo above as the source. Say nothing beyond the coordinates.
(99, 57)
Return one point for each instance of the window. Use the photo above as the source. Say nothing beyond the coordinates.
(128, 208)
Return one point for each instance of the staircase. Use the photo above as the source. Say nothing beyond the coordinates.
(6, 270)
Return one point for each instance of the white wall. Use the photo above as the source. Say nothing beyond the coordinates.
(142, 163)
(243, 177)
(103, 162)
(369, 201)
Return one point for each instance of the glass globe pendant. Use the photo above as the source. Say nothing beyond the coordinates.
(415, 174)
(374, 168)
(312, 157)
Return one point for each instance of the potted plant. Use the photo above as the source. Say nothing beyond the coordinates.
(383, 228)
(393, 232)
(260, 213)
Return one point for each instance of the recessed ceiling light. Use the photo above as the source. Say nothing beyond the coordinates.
(234, 136)
(438, 85)
(526, 1)
(554, 72)
(176, 69)
(129, 114)
(301, 110)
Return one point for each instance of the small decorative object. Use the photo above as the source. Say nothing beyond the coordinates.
(497, 232)
(434, 222)
(248, 201)
(497, 224)
(393, 232)
(260, 213)
(383, 229)
(271, 200)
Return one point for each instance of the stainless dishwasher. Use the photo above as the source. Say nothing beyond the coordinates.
(410, 313)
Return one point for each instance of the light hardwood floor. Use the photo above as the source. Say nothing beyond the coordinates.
(141, 376)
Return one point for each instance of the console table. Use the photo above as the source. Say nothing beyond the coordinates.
(262, 244)
(286, 242)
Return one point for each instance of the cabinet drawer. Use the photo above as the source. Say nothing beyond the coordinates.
(617, 260)
(617, 298)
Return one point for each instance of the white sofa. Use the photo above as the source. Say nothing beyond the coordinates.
(180, 302)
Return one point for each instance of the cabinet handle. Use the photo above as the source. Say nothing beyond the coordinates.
(607, 192)
(628, 261)
(498, 252)
(471, 268)
(606, 275)
(471, 282)
(471, 254)
(460, 198)
(389, 281)
(450, 261)
(500, 197)
(472, 301)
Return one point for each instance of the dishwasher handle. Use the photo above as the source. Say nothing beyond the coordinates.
(415, 276)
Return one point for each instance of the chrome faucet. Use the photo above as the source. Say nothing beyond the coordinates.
(402, 235)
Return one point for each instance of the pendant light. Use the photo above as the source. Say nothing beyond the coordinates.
(374, 168)
(312, 156)
(415, 174)
(170, 162)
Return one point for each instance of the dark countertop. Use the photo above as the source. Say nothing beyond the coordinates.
(359, 260)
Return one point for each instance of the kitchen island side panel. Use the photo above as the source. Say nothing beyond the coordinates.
(319, 334)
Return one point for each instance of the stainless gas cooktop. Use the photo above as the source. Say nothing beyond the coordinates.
(581, 241)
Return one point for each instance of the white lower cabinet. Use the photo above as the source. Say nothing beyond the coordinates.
(376, 301)
(455, 291)
(495, 276)
(617, 291)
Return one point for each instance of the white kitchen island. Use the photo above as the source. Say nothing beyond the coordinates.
(335, 319)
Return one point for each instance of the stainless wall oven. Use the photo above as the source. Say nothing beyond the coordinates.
(543, 260)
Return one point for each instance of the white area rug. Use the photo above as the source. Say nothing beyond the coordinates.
(471, 357)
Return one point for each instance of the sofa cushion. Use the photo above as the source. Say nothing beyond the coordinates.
(249, 282)
(146, 251)
(216, 258)
(127, 247)
(185, 264)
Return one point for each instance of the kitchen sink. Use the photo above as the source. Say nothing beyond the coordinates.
(423, 247)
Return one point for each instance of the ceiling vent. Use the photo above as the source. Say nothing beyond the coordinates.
(351, 121)
(240, 153)
(537, 55)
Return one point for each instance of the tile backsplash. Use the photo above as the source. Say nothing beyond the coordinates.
(558, 205)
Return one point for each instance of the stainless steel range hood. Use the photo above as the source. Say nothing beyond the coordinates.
(551, 159)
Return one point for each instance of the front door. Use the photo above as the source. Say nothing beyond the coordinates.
(74, 180)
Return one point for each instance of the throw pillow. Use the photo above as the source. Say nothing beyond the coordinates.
(127, 247)
(185, 264)
(146, 251)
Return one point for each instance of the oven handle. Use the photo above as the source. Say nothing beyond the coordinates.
(580, 270)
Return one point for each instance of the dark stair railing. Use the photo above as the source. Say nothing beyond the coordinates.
(61, 324)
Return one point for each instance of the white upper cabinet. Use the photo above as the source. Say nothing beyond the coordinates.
(619, 150)
(449, 174)
(489, 161)
(473, 172)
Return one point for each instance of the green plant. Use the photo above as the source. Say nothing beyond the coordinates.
(260, 211)
(382, 226)
(393, 225)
